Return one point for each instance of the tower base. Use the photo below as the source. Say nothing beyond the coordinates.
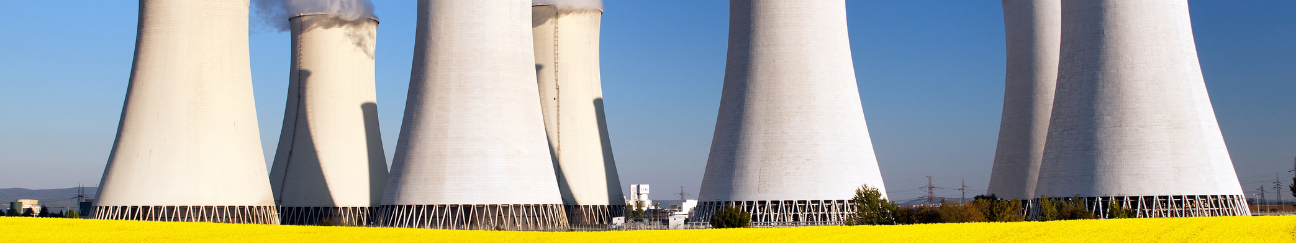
(215, 214)
(326, 216)
(593, 214)
(782, 213)
(1165, 206)
(475, 217)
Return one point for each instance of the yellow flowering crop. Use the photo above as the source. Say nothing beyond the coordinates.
(1205, 229)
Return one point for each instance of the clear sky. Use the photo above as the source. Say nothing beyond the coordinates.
(930, 76)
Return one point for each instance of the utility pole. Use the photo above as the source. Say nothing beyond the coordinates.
(1262, 199)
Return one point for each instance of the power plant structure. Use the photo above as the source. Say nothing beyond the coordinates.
(330, 165)
(571, 98)
(1132, 122)
(1033, 31)
(187, 147)
(791, 145)
(472, 152)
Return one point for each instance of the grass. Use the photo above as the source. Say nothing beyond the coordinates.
(1208, 229)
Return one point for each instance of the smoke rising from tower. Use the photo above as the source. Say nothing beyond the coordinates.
(275, 13)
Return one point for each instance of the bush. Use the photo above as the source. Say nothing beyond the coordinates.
(731, 217)
(997, 210)
(72, 214)
(871, 208)
(1060, 209)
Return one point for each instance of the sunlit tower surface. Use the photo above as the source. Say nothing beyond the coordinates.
(472, 152)
(187, 147)
(1132, 121)
(330, 163)
(571, 97)
(791, 144)
(1033, 29)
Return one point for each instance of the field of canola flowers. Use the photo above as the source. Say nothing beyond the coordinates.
(1212, 229)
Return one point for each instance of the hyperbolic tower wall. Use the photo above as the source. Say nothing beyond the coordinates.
(472, 152)
(791, 144)
(571, 96)
(1132, 121)
(187, 147)
(1033, 29)
(330, 163)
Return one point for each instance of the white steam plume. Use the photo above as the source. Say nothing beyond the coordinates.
(275, 13)
(574, 4)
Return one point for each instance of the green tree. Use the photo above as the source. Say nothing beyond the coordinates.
(871, 208)
(1116, 211)
(72, 214)
(1047, 209)
(731, 217)
(44, 212)
(1292, 187)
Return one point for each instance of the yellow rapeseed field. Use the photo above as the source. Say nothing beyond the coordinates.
(1213, 229)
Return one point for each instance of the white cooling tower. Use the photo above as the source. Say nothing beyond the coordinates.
(187, 148)
(330, 163)
(1131, 118)
(1033, 29)
(791, 144)
(571, 97)
(472, 152)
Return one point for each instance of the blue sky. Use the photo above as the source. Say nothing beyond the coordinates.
(930, 75)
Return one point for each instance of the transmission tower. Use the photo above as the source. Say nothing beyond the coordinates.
(683, 195)
(963, 189)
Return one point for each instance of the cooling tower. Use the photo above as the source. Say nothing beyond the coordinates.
(791, 145)
(1132, 121)
(187, 147)
(571, 97)
(472, 152)
(330, 163)
(1032, 28)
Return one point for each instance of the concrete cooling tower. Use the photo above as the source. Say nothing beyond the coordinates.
(330, 163)
(187, 147)
(1132, 121)
(791, 144)
(1033, 29)
(472, 152)
(571, 97)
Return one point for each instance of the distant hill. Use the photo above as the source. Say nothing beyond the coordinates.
(64, 197)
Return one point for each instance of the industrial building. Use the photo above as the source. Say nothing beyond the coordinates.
(1032, 30)
(330, 165)
(791, 145)
(571, 98)
(472, 152)
(187, 147)
(1131, 119)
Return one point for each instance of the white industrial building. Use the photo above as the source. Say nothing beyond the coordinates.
(1033, 30)
(1132, 121)
(571, 98)
(791, 145)
(187, 147)
(472, 152)
(330, 163)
